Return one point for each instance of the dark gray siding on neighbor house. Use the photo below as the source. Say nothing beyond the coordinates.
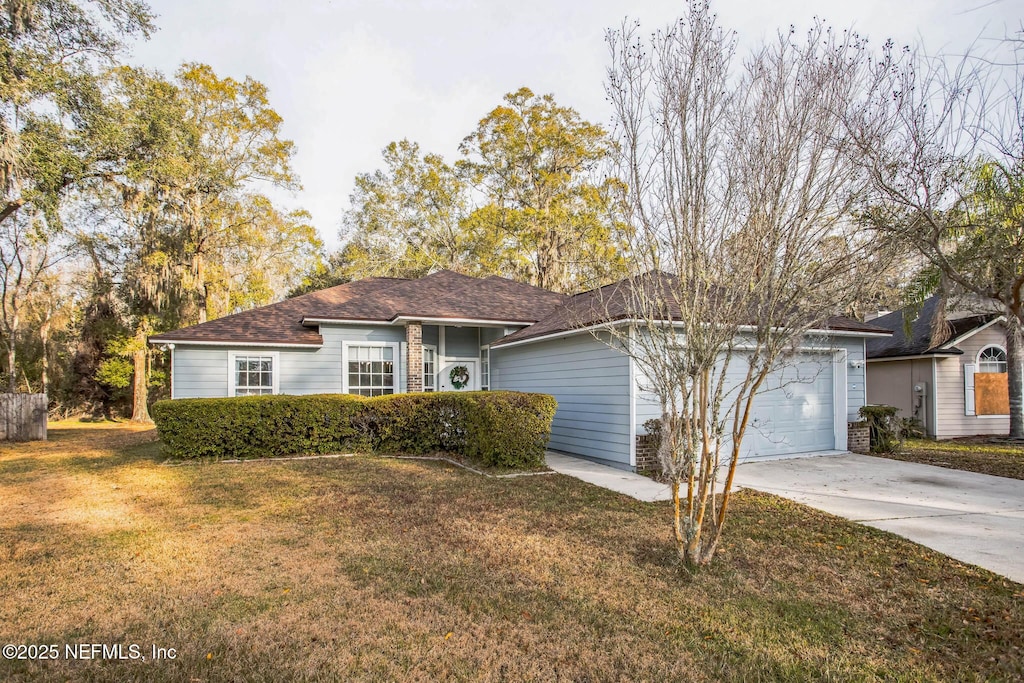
(591, 384)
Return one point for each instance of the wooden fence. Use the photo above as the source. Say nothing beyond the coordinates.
(23, 417)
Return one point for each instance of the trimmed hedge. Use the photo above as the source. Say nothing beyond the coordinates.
(496, 428)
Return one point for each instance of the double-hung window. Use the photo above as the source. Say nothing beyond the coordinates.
(370, 369)
(429, 368)
(253, 374)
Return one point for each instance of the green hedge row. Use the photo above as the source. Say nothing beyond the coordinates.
(497, 428)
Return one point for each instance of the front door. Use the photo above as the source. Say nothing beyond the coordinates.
(460, 375)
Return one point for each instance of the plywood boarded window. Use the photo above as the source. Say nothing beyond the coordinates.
(991, 393)
(986, 387)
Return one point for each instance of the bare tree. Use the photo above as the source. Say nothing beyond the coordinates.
(739, 188)
(948, 181)
(28, 252)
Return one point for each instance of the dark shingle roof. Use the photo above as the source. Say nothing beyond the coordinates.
(919, 342)
(279, 323)
(614, 302)
(440, 295)
(446, 294)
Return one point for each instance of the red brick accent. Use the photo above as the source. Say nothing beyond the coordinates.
(414, 366)
(647, 453)
(858, 437)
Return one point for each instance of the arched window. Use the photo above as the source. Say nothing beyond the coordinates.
(992, 359)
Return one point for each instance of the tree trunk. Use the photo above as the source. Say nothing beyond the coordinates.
(44, 339)
(1015, 378)
(140, 379)
(12, 380)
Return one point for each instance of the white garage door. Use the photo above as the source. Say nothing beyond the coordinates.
(794, 413)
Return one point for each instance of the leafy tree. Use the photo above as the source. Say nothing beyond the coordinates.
(234, 145)
(52, 50)
(323, 274)
(49, 138)
(542, 216)
(407, 219)
(189, 235)
(263, 255)
(546, 218)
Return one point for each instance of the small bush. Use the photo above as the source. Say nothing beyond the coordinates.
(885, 426)
(495, 428)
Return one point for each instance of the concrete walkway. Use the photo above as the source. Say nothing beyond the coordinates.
(631, 484)
(975, 518)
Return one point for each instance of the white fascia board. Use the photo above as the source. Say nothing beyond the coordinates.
(556, 335)
(921, 356)
(829, 333)
(337, 321)
(191, 342)
(967, 335)
(632, 321)
(460, 321)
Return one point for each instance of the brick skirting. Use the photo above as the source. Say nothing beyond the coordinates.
(858, 437)
(647, 453)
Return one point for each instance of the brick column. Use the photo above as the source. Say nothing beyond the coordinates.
(414, 366)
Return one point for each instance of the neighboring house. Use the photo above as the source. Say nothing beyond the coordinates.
(383, 335)
(957, 387)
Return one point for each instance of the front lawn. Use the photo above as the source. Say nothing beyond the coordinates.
(367, 568)
(974, 454)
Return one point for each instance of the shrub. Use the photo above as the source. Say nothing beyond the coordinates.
(496, 428)
(885, 427)
(255, 426)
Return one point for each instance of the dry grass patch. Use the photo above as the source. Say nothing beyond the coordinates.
(382, 569)
(974, 454)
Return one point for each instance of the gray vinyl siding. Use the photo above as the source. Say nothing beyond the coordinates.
(461, 342)
(202, 372)
(199, 372)
(951, 421)
(589, 380)
(856, 377)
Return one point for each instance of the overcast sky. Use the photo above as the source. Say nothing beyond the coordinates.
(349, 76)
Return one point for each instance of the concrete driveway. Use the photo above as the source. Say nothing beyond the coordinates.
(975, 518)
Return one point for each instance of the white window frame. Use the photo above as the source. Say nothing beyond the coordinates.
(437, 366)
(396, 385)
(485, 362)
(978, 361)
(275, 368)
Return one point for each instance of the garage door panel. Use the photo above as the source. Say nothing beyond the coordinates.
(794, 412)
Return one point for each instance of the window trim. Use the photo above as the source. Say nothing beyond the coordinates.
(396, 376)
(485, 358)
(275, 369)
(978, 361)
(437, 367)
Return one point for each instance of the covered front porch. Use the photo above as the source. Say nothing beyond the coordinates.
(448, 357)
